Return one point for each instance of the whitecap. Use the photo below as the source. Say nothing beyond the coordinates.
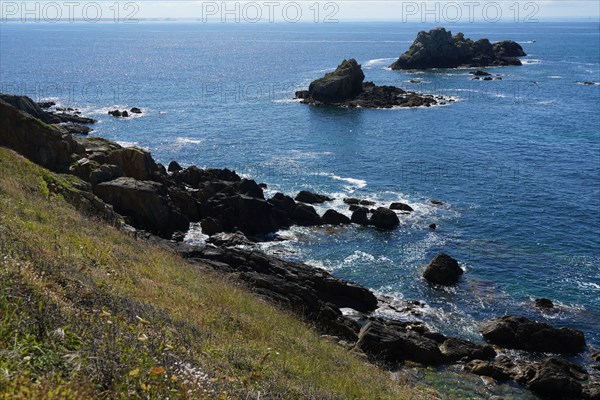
(354, 182)
(124, 143)
(378, 61)
(531, 61)
(186, 140)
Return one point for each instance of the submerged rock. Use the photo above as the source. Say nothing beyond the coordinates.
(439, 49)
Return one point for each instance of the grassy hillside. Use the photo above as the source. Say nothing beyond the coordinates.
(89, 312)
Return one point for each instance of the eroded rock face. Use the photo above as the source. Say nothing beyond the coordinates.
(342, 84)
(439, 49)
(443, 270)
(521, 333)
(41, 143)
(145, 202)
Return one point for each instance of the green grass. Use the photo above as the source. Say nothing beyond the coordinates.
(89, 312)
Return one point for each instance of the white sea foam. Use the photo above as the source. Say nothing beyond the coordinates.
(124, 143)
(187, 140)
(554, 77)
(354, 182)
(531, 61)
(377, 62)
(195, 236)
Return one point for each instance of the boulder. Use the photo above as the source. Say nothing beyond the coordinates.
(557, 378)
(250, 188)
(384, 218)
(392, 342)
(135, 162)
(332, 217)
(105, 173)
(521, 333)
(455, 349)
(401, 207)
(305, 215)
(145, 202)
(311, 198)
(360, 216)
(135, 110)
(439, 49)
(115, 113)
(250, 215)
(174, 166)
(211, 226)
(442, 270)
(232, 239)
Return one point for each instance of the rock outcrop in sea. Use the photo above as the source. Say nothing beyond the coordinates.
(439, 49)
(344, 87)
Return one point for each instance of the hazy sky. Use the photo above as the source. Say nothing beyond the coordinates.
(431, 11)
(443, 12)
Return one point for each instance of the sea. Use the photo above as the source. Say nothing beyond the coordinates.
(514, 162)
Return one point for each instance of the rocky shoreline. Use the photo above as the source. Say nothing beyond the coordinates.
(345, 87)
(128, 188)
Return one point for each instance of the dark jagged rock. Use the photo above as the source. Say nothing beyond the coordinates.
(46, 104)
(393, 341)
(115, 113)
(332, 217)
(502, 368)
(250, 215)
(401, 207)
(384, 218)
(305, 215)
(432, 226)
(312, 198)
(174, 166)
(250, 188)
(521, 333)
(345, 88)
(442, 270)
(145, 202)
(135, 110)
(24, 103)
(342, 84)
(480, 73)
(360, 216)
(439, 49)
(557, 378)
(211, 226)
(74, 128)
(41, 143)
(458, 349)
(233, 239)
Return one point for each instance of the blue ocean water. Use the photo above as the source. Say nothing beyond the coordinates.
(516, 161)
